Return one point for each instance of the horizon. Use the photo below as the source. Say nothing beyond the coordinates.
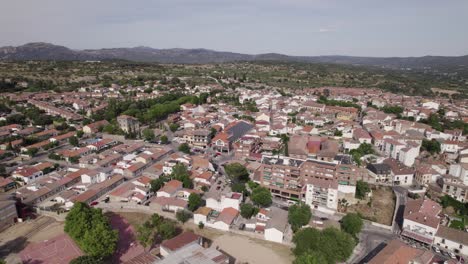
(365, 28)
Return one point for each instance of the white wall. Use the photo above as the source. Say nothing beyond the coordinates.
(272, 234)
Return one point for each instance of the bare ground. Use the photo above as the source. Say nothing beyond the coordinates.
(381, 209)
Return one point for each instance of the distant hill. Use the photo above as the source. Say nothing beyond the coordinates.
(47, 51)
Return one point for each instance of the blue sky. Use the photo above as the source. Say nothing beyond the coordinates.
(294, 27)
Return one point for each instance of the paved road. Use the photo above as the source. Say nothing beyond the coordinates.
(402, 198)
(371, 240)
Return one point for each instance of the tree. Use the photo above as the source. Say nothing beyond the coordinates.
(173, 127)
(180, 173)
(74, 141)
(351, 224)
(185, 148)
(91, 230)
(201, 225)
(310, 257)
(79, 133)
(145, 234)
(148, 134)
(431, 146)
(237, 172)
(362, 188)
(183, 216)
(194, 201)
(157, 184)
(164, 139)
(85, 260)
(299, 215)
(167, 230)
(248, 210)
(32, 152)
(334, 245)
(261, 196)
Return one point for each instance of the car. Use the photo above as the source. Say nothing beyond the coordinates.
(217, 188)
(451, 255)
(94, 203)
(436, 249)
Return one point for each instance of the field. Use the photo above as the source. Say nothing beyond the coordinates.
(381, 209)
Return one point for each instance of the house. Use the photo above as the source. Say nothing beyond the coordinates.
(169, 204)
(8, 213)
(27, 174)
(398, 252)
(170, 246)
(277, 225)
(233, 131)
(220, 202)
(201, 215)
(421, 220)
(452, 239)
(225, 219)
(169, 189)
(128, 124)
(95, 127)
(381, 172)
(6, 184)
(194, 253)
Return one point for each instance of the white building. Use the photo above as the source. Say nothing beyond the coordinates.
(224, 201)
(452, 239)
(421, 220)
(322, 194)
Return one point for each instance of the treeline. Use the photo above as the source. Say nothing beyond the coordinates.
(323, 100)
(147, 111)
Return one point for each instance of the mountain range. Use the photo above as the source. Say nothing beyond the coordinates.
(47, 51)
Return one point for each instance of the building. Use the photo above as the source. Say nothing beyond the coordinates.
(128, 124)
(197, 138)
(281, 175)
(95, 127)
(421, 220)
(277, 225)
(8, 213)
(194, 253)
(170, 246)
(398, 252)
(234, 131)
(452, 239)
(455, 188)
(229, 200)
(322, 194)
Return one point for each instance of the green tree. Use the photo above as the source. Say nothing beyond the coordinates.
(145, 234)
(85, 260)
(32, 152)
(261, 196)
(157, 184)
(74, 141)
(79, 133)
(194, 201)
(352, 224)
(431, 146)
(167, 230)
(180, 173)
(148, 134)
(91, 230)
(247, 210)
(299, 215)
(164, 139)
(237, 172)
(310, 257)
(362, 188)
(173, 127)
(334, 245)
(183, 216)
(185, 148)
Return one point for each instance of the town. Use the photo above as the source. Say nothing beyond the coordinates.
(231, 170)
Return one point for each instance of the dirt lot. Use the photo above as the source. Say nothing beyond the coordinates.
(381, 209)
(17, 237)
(135, 219)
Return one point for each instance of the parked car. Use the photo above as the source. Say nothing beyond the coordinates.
(451, 255)
(436, 249)
(94, 203)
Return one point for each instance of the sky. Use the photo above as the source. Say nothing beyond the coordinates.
(379, 28)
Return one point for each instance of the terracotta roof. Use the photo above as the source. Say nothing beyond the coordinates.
(180, 241)
(396, 252)
(228, 215)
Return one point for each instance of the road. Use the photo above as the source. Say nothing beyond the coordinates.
(371, 240)
(401, 199)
